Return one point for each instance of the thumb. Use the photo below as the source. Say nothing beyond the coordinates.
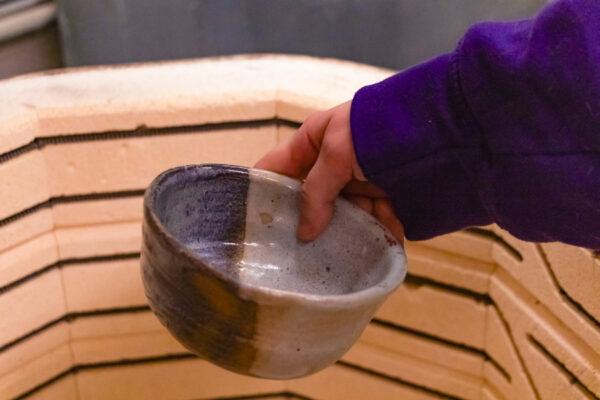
(323, 184)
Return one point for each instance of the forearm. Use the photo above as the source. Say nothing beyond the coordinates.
(506, 129)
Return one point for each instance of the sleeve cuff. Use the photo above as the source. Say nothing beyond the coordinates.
(413, 137)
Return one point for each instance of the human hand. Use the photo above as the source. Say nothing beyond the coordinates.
(321, 151)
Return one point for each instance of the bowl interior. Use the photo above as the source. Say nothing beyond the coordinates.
(242, 222)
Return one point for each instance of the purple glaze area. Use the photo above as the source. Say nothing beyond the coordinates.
(204, 208)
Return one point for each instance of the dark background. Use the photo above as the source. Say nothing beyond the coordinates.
(388, 33)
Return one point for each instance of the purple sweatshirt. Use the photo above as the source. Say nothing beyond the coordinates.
(505, 129)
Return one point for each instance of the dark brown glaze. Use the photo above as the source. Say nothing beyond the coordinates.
(200, 304)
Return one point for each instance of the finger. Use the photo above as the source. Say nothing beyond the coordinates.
(383, 211)
(296, 156)
(323, 184)
(357, 171)
(365, 189)
(363, 202)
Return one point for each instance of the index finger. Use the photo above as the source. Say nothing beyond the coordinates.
(297, 155)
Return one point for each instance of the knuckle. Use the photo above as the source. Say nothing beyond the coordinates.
(312, 119)
(309, 200)
(336, 161)
(306, 193)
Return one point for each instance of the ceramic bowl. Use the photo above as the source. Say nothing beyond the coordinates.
(224, 272)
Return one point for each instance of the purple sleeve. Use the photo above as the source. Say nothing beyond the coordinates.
(506, 129)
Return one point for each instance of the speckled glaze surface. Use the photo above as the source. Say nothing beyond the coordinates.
(224, 272)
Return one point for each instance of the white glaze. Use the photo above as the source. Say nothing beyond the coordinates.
(348, 257)
(351, 256)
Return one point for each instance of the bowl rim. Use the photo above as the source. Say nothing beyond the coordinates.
(394, 276)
